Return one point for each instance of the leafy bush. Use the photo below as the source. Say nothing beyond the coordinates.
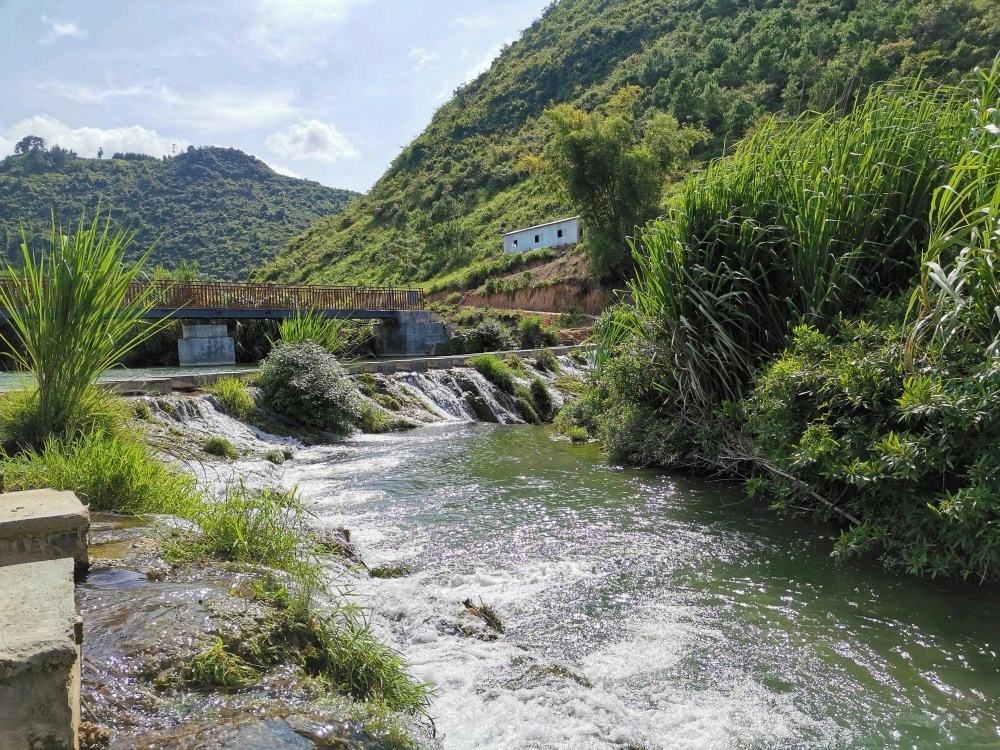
(546, 360)
(488, 335)
(533, 334)
(305, 382)
(542, 399)
(494, 370)
(906, 461)
(114, 473)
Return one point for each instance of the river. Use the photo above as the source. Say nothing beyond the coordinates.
(642, 609)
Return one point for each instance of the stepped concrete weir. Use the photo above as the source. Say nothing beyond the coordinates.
(43, 538)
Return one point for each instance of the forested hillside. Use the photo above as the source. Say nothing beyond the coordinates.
(217, 207)
(716, 65)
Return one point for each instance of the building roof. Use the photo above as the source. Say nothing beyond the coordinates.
(539, 226)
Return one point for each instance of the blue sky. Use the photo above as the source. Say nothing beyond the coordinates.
(329, 90)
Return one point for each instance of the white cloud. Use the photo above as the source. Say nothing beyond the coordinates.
(284, 170)
(312, 140)
(421, 58)
(295, 31)
(479, 22)
(207, 111)
(485, 62)
(86, 140)
(60, 29)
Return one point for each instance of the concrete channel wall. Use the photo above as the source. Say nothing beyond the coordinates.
(43, 538)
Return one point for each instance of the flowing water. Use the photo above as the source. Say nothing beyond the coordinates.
(642, 609)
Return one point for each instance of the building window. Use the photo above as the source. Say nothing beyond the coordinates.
(559, 233)
(514, 244)
(537, 238)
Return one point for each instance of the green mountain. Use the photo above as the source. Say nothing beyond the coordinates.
(217, 207)
(715, 64)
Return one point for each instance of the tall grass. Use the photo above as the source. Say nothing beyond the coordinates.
(108, 472)
(333, 334)
(959, 290)
(71, 318)
(804, 220)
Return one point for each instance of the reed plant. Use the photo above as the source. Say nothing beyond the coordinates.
(72, 317)
(959, 290)
(802, 222)
(311, 325)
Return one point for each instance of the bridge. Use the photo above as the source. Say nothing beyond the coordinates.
(216, 300)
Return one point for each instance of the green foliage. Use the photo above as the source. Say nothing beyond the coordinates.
(275, 457)
(252, 525)
(488, 335)
(911, 454)
(306, 383)
(546, 360)
(532, 333)
(542, 400)
(330, 333)
(441, 205)
(234, 398)
(390, 571)
(216, 667)
(494, 370)
(804, 220)
(73, 298)
(612, 174)
(959, 293)
(114, 473)
(220, 446)
(577, 434)
(218, 212)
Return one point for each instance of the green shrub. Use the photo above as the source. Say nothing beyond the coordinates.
(22, 422)
(542, 399)
(494, 370)
(234, 398)
(306, 383)
(220, 446)
(275, 457)
(113, 473)
(546, 360)
(577, 434)
(533, 334)
(905, 461)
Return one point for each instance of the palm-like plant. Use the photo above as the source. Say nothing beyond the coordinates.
(72, 316)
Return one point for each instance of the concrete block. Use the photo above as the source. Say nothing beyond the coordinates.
(42, 525)
(205, 331)
(202, 350)
(40, 639)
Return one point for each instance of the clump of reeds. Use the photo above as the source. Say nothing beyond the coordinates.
(72, 316)
(803, 221)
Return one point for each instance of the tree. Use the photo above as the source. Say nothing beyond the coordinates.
(28, 144)
(613, 172)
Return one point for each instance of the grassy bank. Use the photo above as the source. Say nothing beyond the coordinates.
(820, 316)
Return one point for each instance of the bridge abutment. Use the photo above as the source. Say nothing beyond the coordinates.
(412, 332)
(206, 345)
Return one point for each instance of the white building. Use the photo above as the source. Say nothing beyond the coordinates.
(553, 234)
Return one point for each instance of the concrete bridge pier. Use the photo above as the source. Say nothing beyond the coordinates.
(206, 345)
(410, 332)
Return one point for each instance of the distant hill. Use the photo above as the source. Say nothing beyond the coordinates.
(217, 207)
(716, 64)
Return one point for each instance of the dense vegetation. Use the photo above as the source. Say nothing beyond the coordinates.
(219, 209)
(820, 315)
(715, 66)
